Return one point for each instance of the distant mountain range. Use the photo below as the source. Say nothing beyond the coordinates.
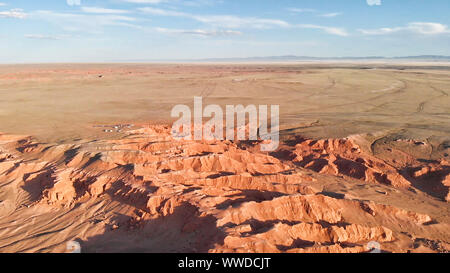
(288, 58)
(293, 58)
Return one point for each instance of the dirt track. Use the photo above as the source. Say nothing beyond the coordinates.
(62, 102)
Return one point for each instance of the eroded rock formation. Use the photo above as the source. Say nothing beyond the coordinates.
(211, 196)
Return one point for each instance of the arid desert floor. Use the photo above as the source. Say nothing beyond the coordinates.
(86, 155)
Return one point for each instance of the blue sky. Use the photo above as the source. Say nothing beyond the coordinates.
(126, 30)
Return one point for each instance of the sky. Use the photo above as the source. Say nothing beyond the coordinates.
(33, 31)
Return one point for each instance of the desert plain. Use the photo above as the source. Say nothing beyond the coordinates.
(86, 156)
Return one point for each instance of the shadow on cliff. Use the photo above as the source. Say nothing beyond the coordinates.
(184, 230)
(431, 182)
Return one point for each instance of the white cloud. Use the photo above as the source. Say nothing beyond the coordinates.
(199, 3)
(2, 4)
(163, 12)
(103, 10)
(43, 37)
(425, 28)
(13, 13)
(379, 31)
(84, 22)
(298, 10)
(329, 30)
(145, 1)
(73, 2)
(191, 3)
(94, 18)
(226, 21)
(314, 11)
(374, 2)
(428, 28)
(231, 21)
(332, 14)
(199, 32)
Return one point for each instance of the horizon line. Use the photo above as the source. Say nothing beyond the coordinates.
(279, 58)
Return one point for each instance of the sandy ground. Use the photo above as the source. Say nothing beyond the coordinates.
(364, 157)
(57, 102)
